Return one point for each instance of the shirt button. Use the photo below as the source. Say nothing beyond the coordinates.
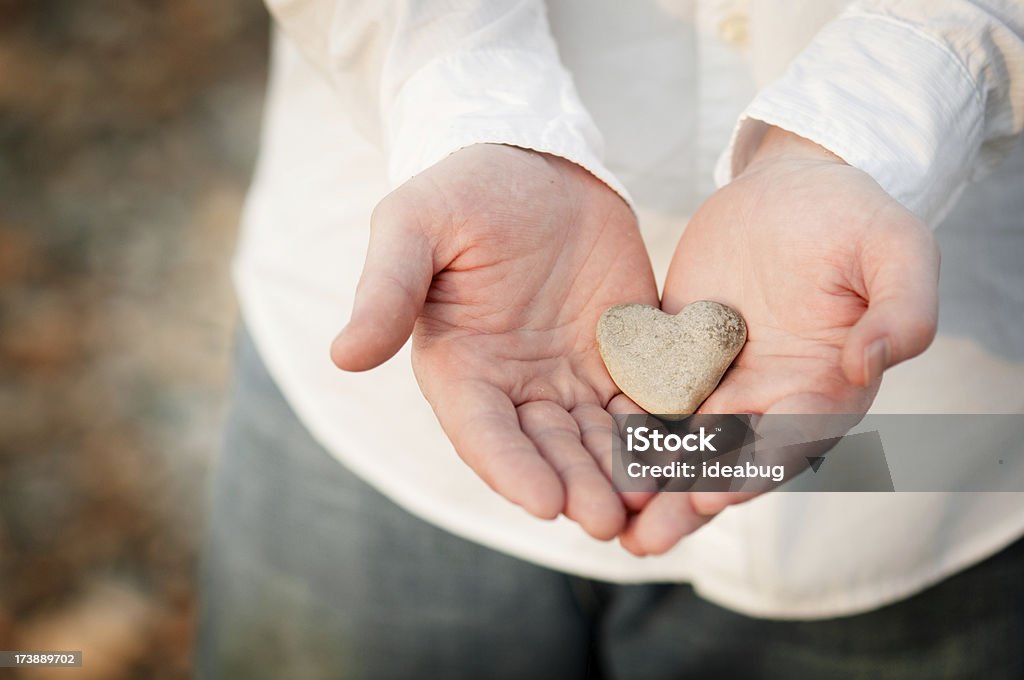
(733, 28)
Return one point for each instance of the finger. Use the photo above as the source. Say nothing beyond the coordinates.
(621, 405)
(597, 432)
(742, 390)
(710, 503)
(671, 516)
(776, 429)
(901, 273)
(482, 424)
(851, 401)
(390, 295)
(766, 379)
(596, 428)
(666, 519)
(791, 433)
(589, 498)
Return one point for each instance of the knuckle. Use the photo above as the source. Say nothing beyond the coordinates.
(918, 332)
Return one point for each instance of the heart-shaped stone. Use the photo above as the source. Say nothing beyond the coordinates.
(669, 364)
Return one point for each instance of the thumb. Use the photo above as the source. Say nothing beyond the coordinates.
(901, 275)
(390, 294)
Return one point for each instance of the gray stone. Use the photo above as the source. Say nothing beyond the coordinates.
(669, 364)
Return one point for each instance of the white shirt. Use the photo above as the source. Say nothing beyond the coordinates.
(925, 96)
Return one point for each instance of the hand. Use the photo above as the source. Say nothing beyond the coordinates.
(499, 261)
(836, 281)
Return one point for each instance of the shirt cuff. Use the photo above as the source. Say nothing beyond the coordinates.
(499, 96)
(887, 99)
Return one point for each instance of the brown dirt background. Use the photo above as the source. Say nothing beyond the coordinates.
(128, 129)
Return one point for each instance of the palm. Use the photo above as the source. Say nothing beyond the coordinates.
(823, 265)
(534, 250)
(793, 251)
(522, 319)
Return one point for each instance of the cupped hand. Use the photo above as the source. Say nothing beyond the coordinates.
(499, 261)
(836, 280)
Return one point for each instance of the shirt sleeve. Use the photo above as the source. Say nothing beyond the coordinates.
(923, 95)
(433, 76)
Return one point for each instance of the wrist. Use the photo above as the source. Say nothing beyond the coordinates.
(779, 145)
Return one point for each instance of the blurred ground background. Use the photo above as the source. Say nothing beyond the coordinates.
(128, 130)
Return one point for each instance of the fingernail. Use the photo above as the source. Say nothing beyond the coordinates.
(876, 358)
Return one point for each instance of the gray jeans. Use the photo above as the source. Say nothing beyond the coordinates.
(310, 573)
